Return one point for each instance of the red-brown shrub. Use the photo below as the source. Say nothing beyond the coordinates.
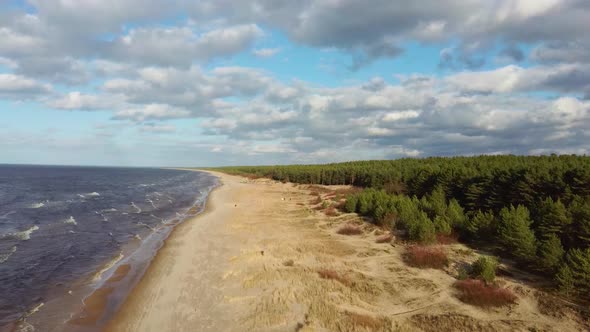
(333, 275)
(385, 238)
(331, 212)
(476, 292)
(349, 230)
(447, 238)
(426, 257)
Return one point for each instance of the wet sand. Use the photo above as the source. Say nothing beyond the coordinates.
(264, 256)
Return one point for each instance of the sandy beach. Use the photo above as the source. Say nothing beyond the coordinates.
(265, 257)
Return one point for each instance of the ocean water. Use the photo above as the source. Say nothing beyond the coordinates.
(61, 227)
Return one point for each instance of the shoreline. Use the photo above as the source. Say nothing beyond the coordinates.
(118, 280)
(125, 317)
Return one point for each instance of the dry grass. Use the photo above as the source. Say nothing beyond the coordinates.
(476, 292)
(385, 238)
(426, 257)
(289, 262)
(366, 321)
(349, 230)
(333, 275)
(302, 204)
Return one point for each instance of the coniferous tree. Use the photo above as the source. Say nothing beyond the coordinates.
(515, 234)
(481, 225)
(552, 218)
(550, 252)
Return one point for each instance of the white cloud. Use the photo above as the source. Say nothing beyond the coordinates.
(20, 87)
(266, 52)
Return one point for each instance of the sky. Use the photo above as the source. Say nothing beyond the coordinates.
(220, 82)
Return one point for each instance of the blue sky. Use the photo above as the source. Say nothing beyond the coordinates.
(179, 83)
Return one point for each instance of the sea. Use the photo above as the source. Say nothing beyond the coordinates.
(64, 230)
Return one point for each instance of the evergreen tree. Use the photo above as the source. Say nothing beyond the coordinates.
(422, 229)
(481, 225)
(578, 261)
(515, 234)
(579, 233)
(442, 225)
(351, 203)
(565, 280)
(550, 252)
(552, 218)
(455, 214)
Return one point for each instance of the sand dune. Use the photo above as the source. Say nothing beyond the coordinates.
(254, 261)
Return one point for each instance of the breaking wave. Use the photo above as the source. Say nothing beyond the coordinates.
(4, 257)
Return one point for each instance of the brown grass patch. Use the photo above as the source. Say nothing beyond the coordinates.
(366, 321)
(385, 238)
(289, 262)
(426, 257)
(476, 292)
(349, 230)
(333, 275)
(331, 212)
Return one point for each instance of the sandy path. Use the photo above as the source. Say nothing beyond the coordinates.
(254, 267)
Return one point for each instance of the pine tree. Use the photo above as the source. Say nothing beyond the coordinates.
(578, 261)
(455, 214)
(550, 252)
(422, 229)
(515, 234)
(565, 280)
(442, 225)
(553, 218)
(481, 225)
(580, 229)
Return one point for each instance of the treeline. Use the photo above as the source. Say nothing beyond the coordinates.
(535, 209)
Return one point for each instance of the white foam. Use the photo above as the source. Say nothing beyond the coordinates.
(135, 206)
(71, 220)
(36, 205)
(4, 257)
(22, 235)
(146, 225)
(110, 210)
(107, 266)
(5, 216)
(152, 203)
(93, 194)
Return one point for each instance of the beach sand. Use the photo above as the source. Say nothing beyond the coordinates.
(264, 257)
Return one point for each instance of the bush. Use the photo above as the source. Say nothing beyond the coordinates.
(476, 292)
(349, 230)
(333, 275)
(331, 212)
(485, 268)
(385, 238)
(426, 257)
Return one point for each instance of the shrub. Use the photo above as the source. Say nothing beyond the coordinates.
(385, 238)
(485, 268)
(349, 230)
(476, 292)
(331, 212)
(426, 257)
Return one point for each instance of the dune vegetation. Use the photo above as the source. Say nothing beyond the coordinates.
(534, 210)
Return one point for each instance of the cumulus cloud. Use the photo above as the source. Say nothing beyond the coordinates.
(21, 88)
(153, 75)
